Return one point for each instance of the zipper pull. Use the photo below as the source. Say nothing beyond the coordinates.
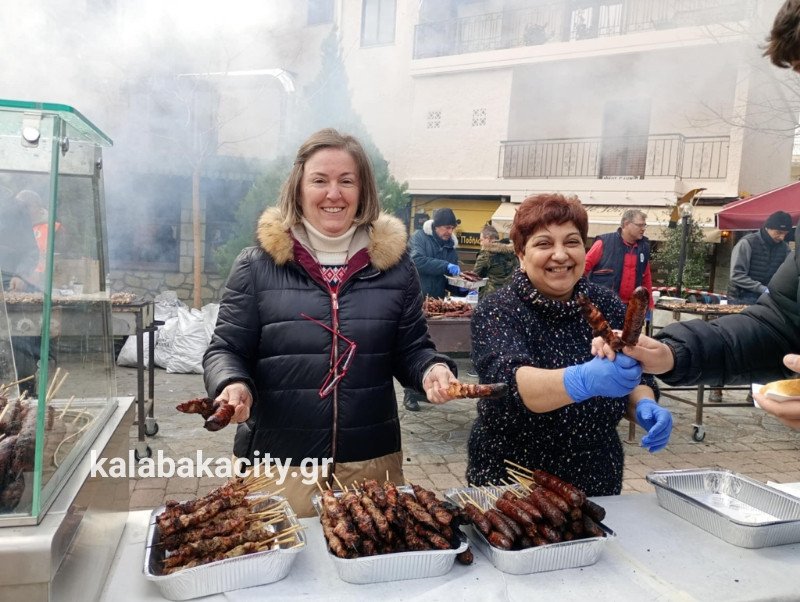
(335, 301)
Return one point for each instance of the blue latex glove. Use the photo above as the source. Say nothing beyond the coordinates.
(657, 421)
(453, 269)
(602, 377)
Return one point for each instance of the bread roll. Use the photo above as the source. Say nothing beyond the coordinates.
(784, 388)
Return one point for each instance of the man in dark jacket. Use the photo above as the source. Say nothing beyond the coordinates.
(757, 257)
(433, 251)
(759, 345)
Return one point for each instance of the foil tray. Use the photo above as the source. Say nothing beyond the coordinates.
(393, 567)
(467, 284)
(539, 559)
(730, 506)
(259, 568)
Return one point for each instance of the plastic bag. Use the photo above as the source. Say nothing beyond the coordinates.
(165, 343)
(191, 341)
(127, 355)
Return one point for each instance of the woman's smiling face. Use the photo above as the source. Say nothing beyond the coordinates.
(553, 259)
(330, 191)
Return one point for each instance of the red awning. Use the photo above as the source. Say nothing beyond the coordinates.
(752, 212)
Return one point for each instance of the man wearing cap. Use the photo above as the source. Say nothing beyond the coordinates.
(433, 251)
(757, 257)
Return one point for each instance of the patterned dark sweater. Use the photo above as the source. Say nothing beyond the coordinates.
(518, 326)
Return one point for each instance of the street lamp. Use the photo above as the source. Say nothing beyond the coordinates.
(686, 225)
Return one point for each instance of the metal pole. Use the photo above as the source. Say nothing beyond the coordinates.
(685, 223)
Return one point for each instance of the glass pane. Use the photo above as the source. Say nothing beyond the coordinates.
(56, 360)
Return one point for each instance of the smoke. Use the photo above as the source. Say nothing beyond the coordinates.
(137, 71)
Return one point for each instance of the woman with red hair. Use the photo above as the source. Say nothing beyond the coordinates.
(562, 407)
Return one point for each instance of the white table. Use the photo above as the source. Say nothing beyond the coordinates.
(655, 556)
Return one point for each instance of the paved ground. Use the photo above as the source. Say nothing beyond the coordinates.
(742, 439)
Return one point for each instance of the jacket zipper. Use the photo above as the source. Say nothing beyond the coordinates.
(335, 358)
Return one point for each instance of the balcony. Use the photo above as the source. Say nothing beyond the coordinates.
(617, 157)
(564, 21)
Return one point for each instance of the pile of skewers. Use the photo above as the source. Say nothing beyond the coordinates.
(537, 509)
(370, 519)
(235, 519)
(18, 417)
(446, 308)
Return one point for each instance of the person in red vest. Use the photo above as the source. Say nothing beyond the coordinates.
(39, 220)
(621, 260)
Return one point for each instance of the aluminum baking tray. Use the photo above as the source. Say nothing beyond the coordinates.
(467, 284)
(550, 557)
(731, 506)
(394, 567)
(225, 575)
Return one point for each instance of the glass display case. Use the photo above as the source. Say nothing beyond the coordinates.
(57, 387)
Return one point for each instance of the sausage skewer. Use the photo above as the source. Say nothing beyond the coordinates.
(635, 316)
(460, 390)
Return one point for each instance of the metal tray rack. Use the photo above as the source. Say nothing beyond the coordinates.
(733, 507)
(550, 557)
(397, 566)
(259, 568)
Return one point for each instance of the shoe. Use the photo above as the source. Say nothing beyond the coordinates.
(412, 405)
(715, 396)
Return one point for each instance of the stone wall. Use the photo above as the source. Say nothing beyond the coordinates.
(150, 284)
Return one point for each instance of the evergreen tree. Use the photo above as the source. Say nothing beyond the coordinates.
(325, 103)
(666, 259)
(328, 104)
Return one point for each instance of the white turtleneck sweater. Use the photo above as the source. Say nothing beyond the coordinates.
(329, 250)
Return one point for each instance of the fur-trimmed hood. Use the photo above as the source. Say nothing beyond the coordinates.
(427, 228)
(501, 247)
(385, 239)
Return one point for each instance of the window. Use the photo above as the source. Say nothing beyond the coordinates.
(320, 12)
(377, 22)
(434, 119)
(478, 117)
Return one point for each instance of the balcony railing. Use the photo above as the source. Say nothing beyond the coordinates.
(617, 157)
(563, 21)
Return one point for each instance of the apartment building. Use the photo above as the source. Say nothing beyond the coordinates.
(625, 103)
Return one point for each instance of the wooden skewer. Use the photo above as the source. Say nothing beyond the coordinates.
(81, 413)
(470, 500)
(321, 490)
(58, 386)
(19, 381)
(48, 395)
(5, 409)
(339, 483)
(521, 468)
(66, 407)
(489, 494)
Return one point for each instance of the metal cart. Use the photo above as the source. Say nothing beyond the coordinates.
(704, 311)
(138, 318)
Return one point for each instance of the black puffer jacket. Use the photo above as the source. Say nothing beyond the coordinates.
(741, 348)
(262, 339)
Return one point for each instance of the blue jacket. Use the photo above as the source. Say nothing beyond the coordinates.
(431, 255)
